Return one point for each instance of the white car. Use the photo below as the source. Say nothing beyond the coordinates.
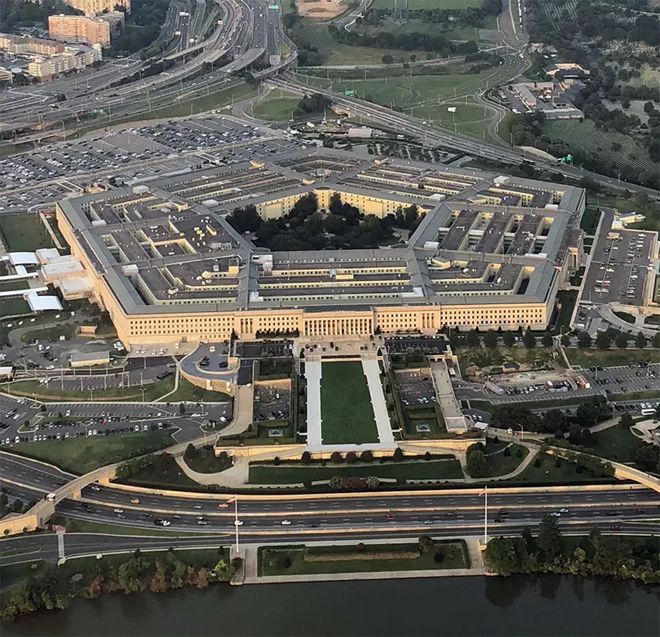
(286, 522)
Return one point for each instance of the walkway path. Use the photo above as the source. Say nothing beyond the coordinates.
(313, 376)
(372, 372)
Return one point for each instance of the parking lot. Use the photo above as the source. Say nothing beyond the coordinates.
(620, 265)
(132, 155)
(271, 402)
(415, 386)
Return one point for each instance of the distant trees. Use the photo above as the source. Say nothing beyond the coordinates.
(615, 556)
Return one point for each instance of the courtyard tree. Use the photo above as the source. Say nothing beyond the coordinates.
(546, 339)
(490, 339)
(621, 340)
(584, 340)
(529, 340)
(603, 341)
(509, 339)
(640, 340)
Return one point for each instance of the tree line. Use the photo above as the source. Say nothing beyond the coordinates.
(614, 556)
(15, 14)
(57, 586)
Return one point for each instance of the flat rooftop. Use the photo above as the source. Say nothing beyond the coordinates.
(163, 246)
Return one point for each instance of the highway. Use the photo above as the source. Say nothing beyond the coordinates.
(327, 515)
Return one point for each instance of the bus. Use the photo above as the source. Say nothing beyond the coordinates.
(648, 411)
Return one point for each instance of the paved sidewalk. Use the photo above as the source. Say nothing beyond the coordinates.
(313, 377)
(372, 372)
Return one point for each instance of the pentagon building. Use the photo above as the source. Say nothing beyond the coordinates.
(490, 252)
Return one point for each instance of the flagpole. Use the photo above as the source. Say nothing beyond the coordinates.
(485, 515)
(236, 520)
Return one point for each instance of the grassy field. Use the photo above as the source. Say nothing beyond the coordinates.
(549, 472)
(346, 410)
(276, 109)
(408, 470)
(167, 474)
(14, 573)
(407, 91)
(585, 136)
(24, 232)
(291, 560)
(500, 464)
(202, 104)
(615, 443)
(80, 455)
(152, 391)
(13, 307)
(611, 358)
(316, 34)
(49, 334)
(187, 392)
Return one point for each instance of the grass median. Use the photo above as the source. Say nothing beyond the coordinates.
(407, 470)
(362, 558)
(52, 392)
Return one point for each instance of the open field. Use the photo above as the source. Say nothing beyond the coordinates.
(586, 137)
(13, 307)
(316, 34)
(407, 470)
(616, 443)
(407, 91)
(611, 358)
(24, 232)
(346, 411)
(276, 109)
(367, 558)
(53, 393)
(81, 455)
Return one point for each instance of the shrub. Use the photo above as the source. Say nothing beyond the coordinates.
(336, 457)
(519, 452)
(286, 562)
(507, 451)
(537, 463)
(438, 557)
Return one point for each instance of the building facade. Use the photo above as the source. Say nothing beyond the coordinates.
(76, 28)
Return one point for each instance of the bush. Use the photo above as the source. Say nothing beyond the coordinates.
(537, 463)
(507, 451)
(438, 557)
(519, 452)
(336, 457)
(286, 562)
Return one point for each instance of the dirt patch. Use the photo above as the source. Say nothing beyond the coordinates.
(320, 9)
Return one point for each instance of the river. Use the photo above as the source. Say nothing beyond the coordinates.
(461, 606)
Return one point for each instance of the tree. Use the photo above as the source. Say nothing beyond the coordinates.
(529, 340)
(477, 463)
(398, 456)
(565, 340)
(472, 339)
(425, 543)
(387, 59)
(603, 341)
(584, 340)
(647, 457)
(626, 421)
(549, 538)
(509, 339)
(656, 340)
(500, 555)
(621, 340)
(490, 339)
(546, 339)
(640, 340)
(593, 411)
(306, 457)
(553, 420)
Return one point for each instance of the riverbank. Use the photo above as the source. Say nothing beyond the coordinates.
(542, 606)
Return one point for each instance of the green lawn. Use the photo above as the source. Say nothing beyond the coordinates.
(616, 443)
(276, 109)
(500, 464)
(53, 393)
(80, 455)
(391, 557)
(407, 470)
(24, 232)
(16, 285)
(425, 415)
(187, 392)
(590, 219)
(549, 472)
(165, 473)
(12, 307)
(346, 410)
(625, 316)
(566, 299)
(611, 358)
